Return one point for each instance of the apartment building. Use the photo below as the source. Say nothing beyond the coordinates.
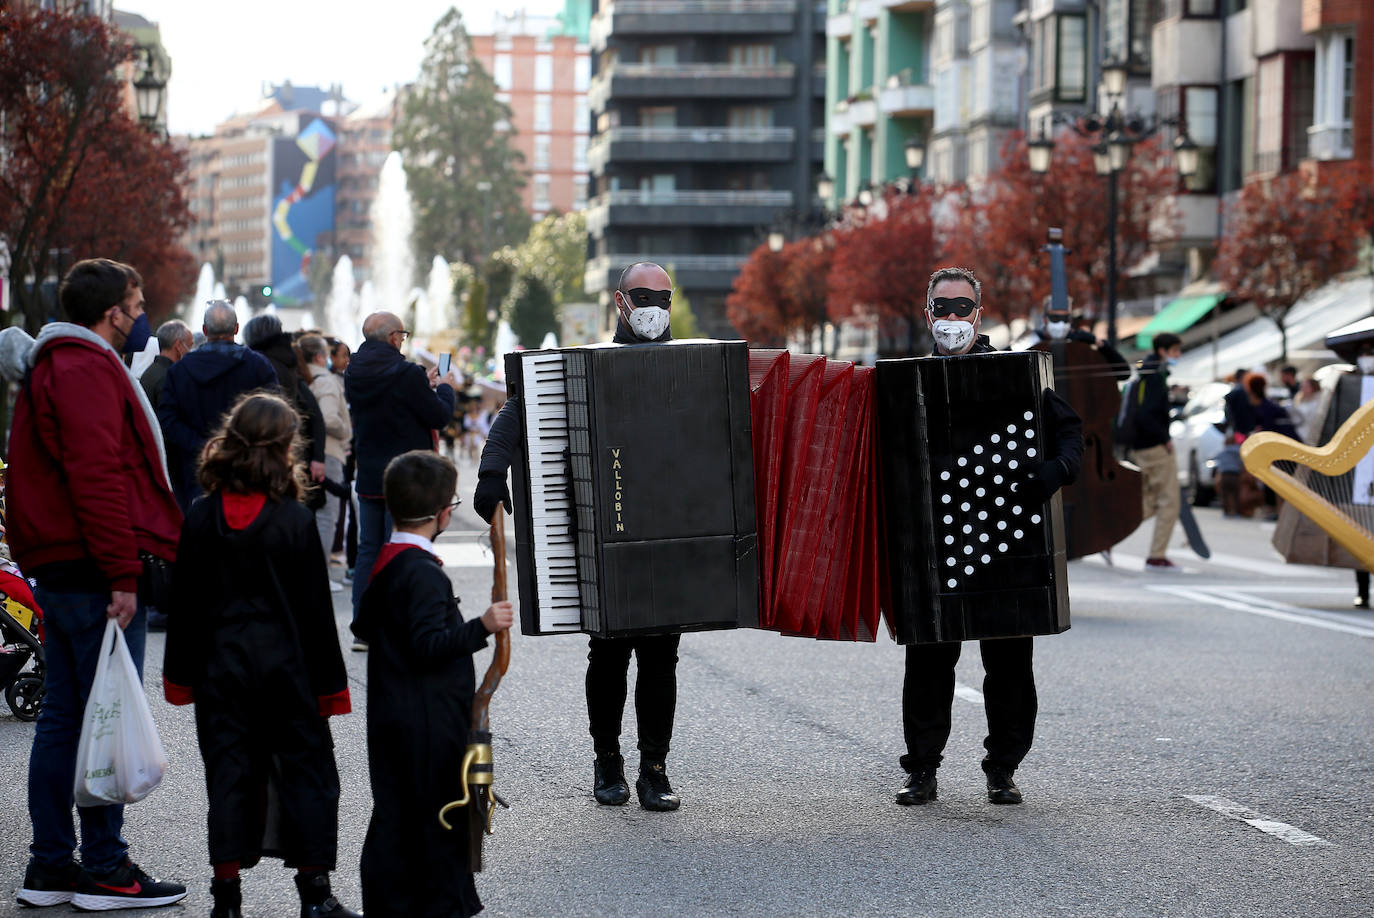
(1343, 87)
(364, 142)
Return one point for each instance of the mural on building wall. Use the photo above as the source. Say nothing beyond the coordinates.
(302, 209)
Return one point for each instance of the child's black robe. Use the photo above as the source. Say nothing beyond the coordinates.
(420, 684)
(251, 639)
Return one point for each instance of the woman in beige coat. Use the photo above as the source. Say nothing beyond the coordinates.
(328, 390)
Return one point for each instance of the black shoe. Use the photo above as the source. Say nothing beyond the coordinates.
(127, 886)
(919, 787)
(49, 885)
(611, 787)
(1001, 788)
(228, 898)
(655, 793)
(157, 621)
(316, 899)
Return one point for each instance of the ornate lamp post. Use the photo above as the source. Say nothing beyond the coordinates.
(150, 89)
(1116, 133)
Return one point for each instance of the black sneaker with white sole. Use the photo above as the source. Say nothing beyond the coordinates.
(127, 886)
(49, 885)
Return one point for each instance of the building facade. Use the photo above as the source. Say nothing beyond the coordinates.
(707, 127)
(1343, 87)
(544, 78)
(364, 142)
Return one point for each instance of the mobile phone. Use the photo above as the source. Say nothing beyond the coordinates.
(444, 361)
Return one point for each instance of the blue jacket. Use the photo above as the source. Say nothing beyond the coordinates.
(393, 410)
(198, 392)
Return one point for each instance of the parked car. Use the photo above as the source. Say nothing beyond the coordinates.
(1198, 433)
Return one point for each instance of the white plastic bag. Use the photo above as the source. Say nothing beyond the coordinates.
(120, 757)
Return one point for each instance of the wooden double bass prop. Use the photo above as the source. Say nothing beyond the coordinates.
(1104, 505)
(479, 797)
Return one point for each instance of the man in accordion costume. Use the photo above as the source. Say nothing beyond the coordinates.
(953, 309)
(643, 299)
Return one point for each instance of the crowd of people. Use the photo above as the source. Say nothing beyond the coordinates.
(214, 489)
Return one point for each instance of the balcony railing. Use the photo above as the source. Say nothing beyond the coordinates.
(697, 135)
(697, 6)
(1330, 141)
(700, 71)
(708, 198)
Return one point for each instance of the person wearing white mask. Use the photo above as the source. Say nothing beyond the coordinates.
(1153, 449)
(954, 300)
(643, 302)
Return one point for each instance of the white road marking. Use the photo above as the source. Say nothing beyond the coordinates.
(1281, 830)
(463, 554)
(1272, 565)
(968, 693)
(1297, 615)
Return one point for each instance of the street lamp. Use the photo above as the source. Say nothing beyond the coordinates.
(915, 154)
(866, 195)
(776, 240)
(1116, 134)
(150, 87)
(825, 187)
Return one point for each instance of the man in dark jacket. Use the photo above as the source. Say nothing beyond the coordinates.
(200, 390)
(643, 299)
(88, 497)
(174, 342)
(954, 311)
(396, 406)
(1153, 449)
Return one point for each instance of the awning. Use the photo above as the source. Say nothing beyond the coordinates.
(1180, 315)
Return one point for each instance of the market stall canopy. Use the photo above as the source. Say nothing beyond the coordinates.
(1179, 316)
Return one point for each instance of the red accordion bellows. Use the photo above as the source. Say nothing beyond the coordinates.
(816, 495)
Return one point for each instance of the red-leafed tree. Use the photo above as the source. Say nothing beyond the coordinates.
(1000, 228)
(777, 294)
(1287, 236)
(80, 178)
(883, 260)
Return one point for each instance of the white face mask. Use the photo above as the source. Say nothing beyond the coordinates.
(648, 322)
(952, 335)
(1366, 363)
(1057, 329)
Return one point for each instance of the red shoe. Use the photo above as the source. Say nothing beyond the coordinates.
(1161, 565)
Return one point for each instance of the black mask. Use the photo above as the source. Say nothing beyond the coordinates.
(960, 306)
(643, 296)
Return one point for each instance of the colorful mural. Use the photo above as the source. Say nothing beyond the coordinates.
(303, 209)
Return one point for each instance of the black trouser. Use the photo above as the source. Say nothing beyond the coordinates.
(1008, 696)
(608, 661)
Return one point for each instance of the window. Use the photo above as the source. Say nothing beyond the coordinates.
(582, 116)
(658, 116)
(541, 151)
(580, 153)
(1199, 7)
(543, 113)
(580, 192)
(501, 71)
(1071, 60)
(1347, 77)
(658, 55)
(543, 73)
(1200, 114)
(582, 73)
(749, 116)
(541, 192)
(1042, 55)
(980, 23)
(760, 55)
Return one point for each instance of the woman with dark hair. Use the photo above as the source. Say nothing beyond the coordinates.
(252, 642)
(264, 334)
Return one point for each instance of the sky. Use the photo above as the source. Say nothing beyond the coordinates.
(223, 53)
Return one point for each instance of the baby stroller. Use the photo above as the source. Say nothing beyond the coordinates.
(21, 642)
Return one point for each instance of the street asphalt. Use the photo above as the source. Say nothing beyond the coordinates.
(1203, 748)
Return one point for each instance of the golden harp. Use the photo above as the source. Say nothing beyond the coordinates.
(1332, 485)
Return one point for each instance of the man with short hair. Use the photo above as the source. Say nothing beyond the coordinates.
(396, 406)
(174, 341)
(643, 300)
(1153, 448)
(201, 388)
(89, 501)
(954, 304)
(1289, 377)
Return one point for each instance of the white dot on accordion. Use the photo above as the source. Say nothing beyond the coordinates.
(1011, 463)
(968, 568)
(978, 450)
(967, 529)
(952, 583)
(1002, 547)
(1011, 428)
(944, 498)
(963, 460)
(1016, 510)
(968, 549)
(996, 479)
(1030, 434)
(987, 558)
(978, 470)
(1030, 451)
(965, 506)
(996, 438)
(1018, 533)
(981, 491)
(982, 537)
(999, 501)
(963, 482)
(1029, 416)
(948, 519)
(1035, 518)
(944, 476)
(982, 514)
(949, 540)
(1001, 524)
(1011, 444)
(996, 457)
(950, 561)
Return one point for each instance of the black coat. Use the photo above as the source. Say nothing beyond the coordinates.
(1152, 409)
(393, 410)
(420, 683)
(196, 395)
(153, 378)
(282, 356)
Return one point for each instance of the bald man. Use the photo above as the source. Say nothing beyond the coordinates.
(395, 406)
(200, 389)
(643, 300)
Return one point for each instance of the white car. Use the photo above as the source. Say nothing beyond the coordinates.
(1198, 433)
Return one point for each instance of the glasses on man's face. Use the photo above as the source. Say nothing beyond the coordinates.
(402, 332)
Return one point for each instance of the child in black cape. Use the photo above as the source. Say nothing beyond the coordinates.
(420, 683)
(251, 640)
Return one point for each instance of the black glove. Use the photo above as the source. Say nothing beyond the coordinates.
(491, 490)
(1041, 481)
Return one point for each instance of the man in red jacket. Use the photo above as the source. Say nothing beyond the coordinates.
(88, 500)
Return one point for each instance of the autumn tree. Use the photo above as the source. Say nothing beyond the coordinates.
(882, 262)
(80, 177)
(778, 294)
(1000, 229)
(1287, 236)
(454, 136)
